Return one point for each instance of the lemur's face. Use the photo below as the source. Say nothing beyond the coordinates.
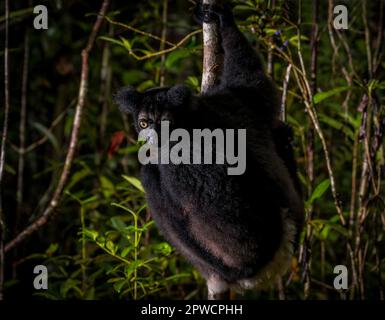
(154, 110)
(154, 106)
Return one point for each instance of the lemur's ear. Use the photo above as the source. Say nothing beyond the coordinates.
(179, 95)
(128, 99)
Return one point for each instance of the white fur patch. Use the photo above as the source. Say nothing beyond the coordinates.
(277, 267)
(216, 285)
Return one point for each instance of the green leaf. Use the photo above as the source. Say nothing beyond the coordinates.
(318, 191)
(70, 284)
(17, 14)
(294, 39)
(118, 285)
(125, 252)
(193, 81)
(52, 249)
(78, 176)
(136, 264)
(90, 294)
(325, 226)
(9, 169)
(89, 200)
(134, 76)
(47, 295)
(241, 7)
(126, 43)
(118, 224)
(147, 225)
(110, 246)
(175, 56)
(381, 85)
(45, 131)
(320, 96)
(146, 85)
(113, 280)
(91, 234)
(108, 187)
(178, 277)
(163, 248)
(112, 40)
(135, 182)
(336, 124)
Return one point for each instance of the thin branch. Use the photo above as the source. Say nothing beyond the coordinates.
(308, 97)
(23, 118)
(367, 39)
(153, 54)
(164, 33)
(43, 139)
(143, 33)
(300, 76)
(3, 144)
(314, 47)
(39, 222)
(270, 57)
(105, 91)
(284, 92)
(162, 52)
(379, 42)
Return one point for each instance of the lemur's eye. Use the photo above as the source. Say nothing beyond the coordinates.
(143, 124)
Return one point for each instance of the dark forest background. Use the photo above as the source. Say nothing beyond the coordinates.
(98, 241)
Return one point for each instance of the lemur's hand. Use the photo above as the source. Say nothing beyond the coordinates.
(220, 12)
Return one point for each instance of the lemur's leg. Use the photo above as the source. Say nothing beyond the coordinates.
(242, 66)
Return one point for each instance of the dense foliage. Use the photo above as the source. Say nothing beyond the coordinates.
(101, 242)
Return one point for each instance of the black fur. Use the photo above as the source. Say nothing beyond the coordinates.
(227, 226)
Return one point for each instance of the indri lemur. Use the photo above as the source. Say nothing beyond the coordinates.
(238, 231)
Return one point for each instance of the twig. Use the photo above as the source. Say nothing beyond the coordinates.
(39, 222)
(367, 176)
(367, 39)
(379, 42)
(162, 52)
(306, 260)
(161, 48)
(143, 33)
(23, 118)
(158, 53)
(308, 97)
(284, 92)
(314, 47)
(105, 91)
(270, 57)
(322, 284)
(42, 140)
(3, 143)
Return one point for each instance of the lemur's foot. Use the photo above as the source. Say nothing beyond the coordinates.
(203, 13)
(206, 13)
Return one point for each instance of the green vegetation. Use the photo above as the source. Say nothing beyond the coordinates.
(100, 241)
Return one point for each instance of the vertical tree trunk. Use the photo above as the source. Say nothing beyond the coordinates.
(212, 58)
(212, 61)
(4, 137)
